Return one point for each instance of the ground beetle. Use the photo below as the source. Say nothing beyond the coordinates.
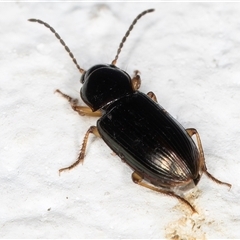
(160, 151)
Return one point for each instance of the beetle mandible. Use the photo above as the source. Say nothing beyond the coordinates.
(162, 154)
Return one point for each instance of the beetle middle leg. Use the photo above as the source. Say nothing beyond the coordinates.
(152, 96)
(92, 129)
(81, 110)
(191, 132)
(138, 179)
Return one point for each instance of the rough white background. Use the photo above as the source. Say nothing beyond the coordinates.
(188, 54)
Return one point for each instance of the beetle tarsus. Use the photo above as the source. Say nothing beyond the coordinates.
(191, 132)
(216, 180)
(72, 101)
(92, 129)
(81, 110)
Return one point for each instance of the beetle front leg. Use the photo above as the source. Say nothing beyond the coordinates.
(92, 129)
(136, 83)
(138, 179)
(136, 80)
(191, 132)
(81, 110)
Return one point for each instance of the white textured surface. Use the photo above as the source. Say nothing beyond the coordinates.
(188, 54)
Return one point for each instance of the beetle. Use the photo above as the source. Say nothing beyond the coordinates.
(162, 153)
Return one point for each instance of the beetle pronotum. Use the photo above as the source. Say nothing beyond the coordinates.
(159, 150)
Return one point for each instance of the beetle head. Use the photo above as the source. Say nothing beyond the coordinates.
(103, 84)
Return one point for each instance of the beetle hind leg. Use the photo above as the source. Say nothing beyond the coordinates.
(81, 110)
(138, 179)
(93, 130)
(216, 180)
(191, 132)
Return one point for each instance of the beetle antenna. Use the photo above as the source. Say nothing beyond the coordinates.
(128, 32)
(61, 41)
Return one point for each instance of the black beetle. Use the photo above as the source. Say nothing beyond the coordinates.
(160, 151)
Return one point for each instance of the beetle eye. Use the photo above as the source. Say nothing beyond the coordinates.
(82, 78)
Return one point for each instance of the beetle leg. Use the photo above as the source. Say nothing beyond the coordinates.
(136, 80)
(138, 179)
(81, 110)
(92, 129)
(191, 132)
(152, 96)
